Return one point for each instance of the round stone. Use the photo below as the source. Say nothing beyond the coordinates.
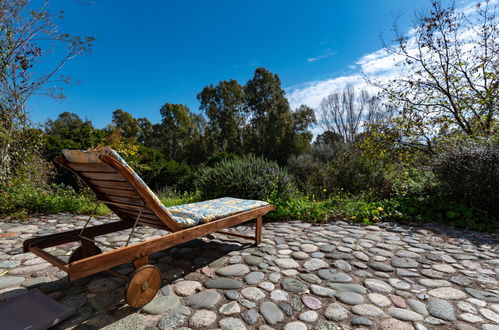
(204, 299)
(253, 260)
(336, 312)
(379, 299)
(309, 248)
(471, 318)
(310, 278)
(333, 276)
(359, 320)
(399, 284)
(231, 323)
(311, 302)
(404, 314)
(418, 306)
(367, 310)
(381, 266)
(271, 313)
(490, 315)
(433, 283)
(230, 308)
(309, 316)
(254, 277)
(236, 270)
(268, 286)
(250, 316)
(160, 305)
(394, 324)
(404, 263)
(322, 291)
(252, 293)
(223, 283)
(447, 293)
(278, 295)
(350, 298)
(186, 288)
(202, 318)
(314, 264)
(441, 309)
(377, 286)
(360, 255)
(286, 263)
(300, 255)
(293, 285)
(296, 325)
(232, 295)
(444, 268)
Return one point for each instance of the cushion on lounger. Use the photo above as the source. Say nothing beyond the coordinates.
(186, 215)
(192, 214)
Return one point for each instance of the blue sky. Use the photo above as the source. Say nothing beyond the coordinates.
(148, 53)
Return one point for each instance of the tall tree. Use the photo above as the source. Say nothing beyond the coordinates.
(449, 77)
(224, 107)
(126, 123)
(270, 116)
(175, 129)
(28, 36)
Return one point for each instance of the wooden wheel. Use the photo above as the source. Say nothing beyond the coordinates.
(78, 254)
(143, 285)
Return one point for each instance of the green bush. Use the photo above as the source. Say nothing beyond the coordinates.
(19, 199)
(301, 208)
(173, 197)
(252, 178)
(469, 169)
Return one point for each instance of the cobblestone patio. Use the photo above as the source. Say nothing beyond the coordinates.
(332, 276)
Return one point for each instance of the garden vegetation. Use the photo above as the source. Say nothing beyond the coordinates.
(424, 149)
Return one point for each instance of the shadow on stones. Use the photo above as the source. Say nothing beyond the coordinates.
(95, 310)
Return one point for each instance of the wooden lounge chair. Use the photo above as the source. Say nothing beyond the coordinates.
(121, 190)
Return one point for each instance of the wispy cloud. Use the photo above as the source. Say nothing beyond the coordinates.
(327, 53)
(380, 64)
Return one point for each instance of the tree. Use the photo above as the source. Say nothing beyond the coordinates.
(128, 126)
(224, 106)
(146, 132)
(27, 36)
(175, 129)
(449, 79)
(347, 113)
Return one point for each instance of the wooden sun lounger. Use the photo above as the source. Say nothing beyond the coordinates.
(117, 187)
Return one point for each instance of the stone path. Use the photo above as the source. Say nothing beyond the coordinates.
(332, 276)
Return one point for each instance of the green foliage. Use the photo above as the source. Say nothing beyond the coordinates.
(172, 197)
(251, 178)
(128, 126)
(21, 198)
(301, 208)
(469, 169)
(175, 175)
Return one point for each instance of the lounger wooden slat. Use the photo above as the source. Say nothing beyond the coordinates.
(118, 187)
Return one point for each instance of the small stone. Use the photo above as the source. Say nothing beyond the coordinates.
(133, 321)
(399, 284)
(204, 299)
(202, 318)
(478, 294)
(360, 255)
(418, 306)
(348, 287)
(310, 278)
(377, 286)
(381, 266)
(460, 280)
(341, 265)
(286, 308)
(309, 248)
(171, 320)
(236, 270)
(286, 263)
(322, 291)
(367, 310)
(444, 268)
(252, 293)
(333, 276)
(6, 281)
(336, 312)
(300, 255)
(230, 308)
(232, 295)
(441, 309)
(254, 277)
(447, 293)
(314, 264)
(489, 315)
(186, 288)
(312, 302)
(161, 304)
(309, 316)
(223, 283)
(278, 295)
(359, 320)
(433, 283)
(250, 316)
(394, 324)
(253, 260)
(296, 325)
(271, 313)
(404, 314)
(379, 300)
(231, 323)
(268, 286)
(293, 285)
(472, 318)
(404, 263)
(350, 298)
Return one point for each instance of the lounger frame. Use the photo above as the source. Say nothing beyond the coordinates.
(116, 187)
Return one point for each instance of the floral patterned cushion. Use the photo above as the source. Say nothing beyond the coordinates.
(186, 215)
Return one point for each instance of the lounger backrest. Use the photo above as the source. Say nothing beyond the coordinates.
(118, 186)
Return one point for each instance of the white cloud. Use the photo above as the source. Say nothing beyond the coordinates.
(327, 53)
(380, 64)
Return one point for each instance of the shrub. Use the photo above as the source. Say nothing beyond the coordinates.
(174, 175)
(21, 198)
(469, 169)
(252, 178)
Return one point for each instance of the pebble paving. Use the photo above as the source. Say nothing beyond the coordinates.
(322, 277)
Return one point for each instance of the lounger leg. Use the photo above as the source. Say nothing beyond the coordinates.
(137, 263)
(258, 230)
